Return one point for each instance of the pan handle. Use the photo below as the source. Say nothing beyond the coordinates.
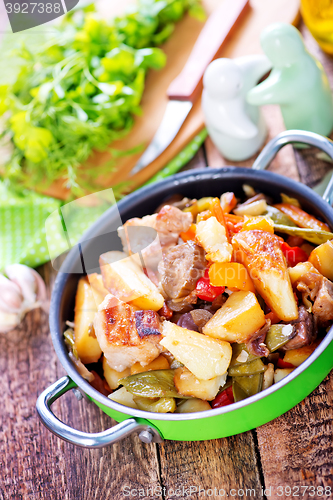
(291, 136)
(147, 434)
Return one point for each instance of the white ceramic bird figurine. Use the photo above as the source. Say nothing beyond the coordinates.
(237, 128)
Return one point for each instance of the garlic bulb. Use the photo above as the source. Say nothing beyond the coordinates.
(22, 290)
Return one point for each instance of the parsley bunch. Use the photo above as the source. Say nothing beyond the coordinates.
(80, 90)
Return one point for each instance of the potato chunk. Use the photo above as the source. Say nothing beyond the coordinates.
(261, 254)
(112, 376)
(188, 385)
(123, 397)
(126, 280)
(212, 237)
(193, 405)
(280, 373)
(160, 363)
(205, 357)
(297, 356)
(90, 293)
(239, 317)
(322, 258)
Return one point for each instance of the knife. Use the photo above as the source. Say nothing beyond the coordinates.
(185, 89)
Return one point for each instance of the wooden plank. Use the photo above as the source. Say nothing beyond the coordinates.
(34, 463)
(296, 448)
(209, 466)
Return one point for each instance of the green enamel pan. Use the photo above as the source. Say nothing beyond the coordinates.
(216, 423)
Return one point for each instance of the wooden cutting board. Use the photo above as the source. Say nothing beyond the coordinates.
(245, 40)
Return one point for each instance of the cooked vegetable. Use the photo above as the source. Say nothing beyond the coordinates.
(112, 376)
(268, 379)
(240, 355)
(256, 208)
(206, 290)
(239, 317)
(279, 217)
(278, 335)
(157, 405)
(190, 233)
(154, 384)
(216, 209)
(300, 270)
(79, 90)
(228, 202)
(262, 223)
(251, 384)
(192, 405)
(245, 369)
(160, 363)
(291, 201)
(280, 373)
(238, 393)
(230, 274)
(322, 259)
(296, 356)
(126, 279)
(212, 237)
(73, 354)
(205, 357)
(261, 254)
(315, 236)
(188, 385)
(301, 218)
(293, 255)
(90, 293)
(123, 397)
(224, 398)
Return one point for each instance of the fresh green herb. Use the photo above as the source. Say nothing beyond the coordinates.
(80, 90)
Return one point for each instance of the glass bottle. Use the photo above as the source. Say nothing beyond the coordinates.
(318, 17)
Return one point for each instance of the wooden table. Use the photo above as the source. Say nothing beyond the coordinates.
(294, 450)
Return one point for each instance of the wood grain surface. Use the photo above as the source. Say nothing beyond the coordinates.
(294, 451)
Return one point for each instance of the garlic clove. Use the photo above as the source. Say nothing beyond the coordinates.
(30, 282)
(11, 299)
(9, 321)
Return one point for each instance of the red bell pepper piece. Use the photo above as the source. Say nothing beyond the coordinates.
(225, 398)
(283, 364)
(205, 290)
(293, 255)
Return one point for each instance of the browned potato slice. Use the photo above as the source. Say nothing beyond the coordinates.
(193, 405)
(90, 293)
(160, 363)
(280, 373)
(322, 258)
(123, 397)
(239, 317)
(205, 357)
(126, 280)
(261, 253)
(188, 385)
(297, 356)
(112, 376)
